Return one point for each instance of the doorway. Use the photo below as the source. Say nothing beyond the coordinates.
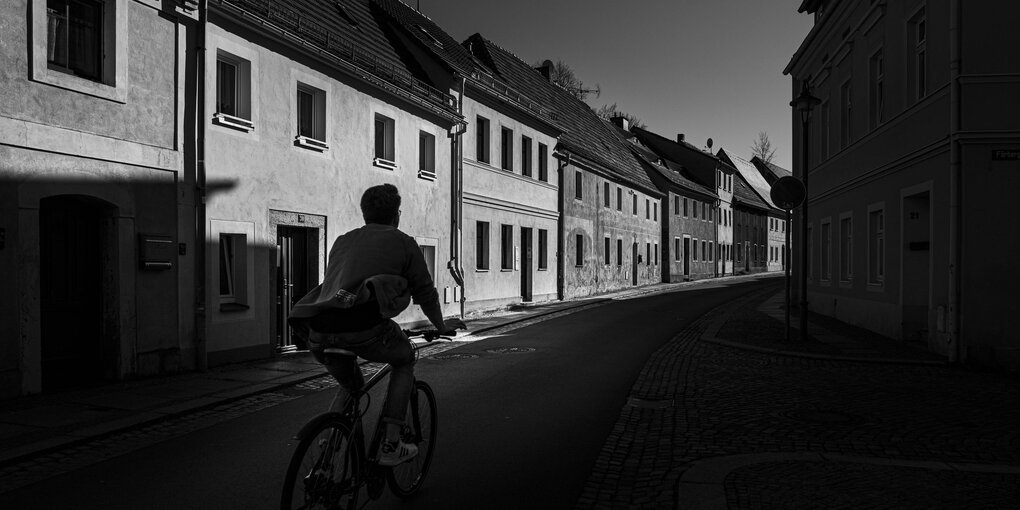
(916, 279)
(297, 250)
(527, 276)
(687, 258)
(633, 263)
(73, 245)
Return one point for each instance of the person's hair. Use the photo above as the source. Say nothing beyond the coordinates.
(380, 204)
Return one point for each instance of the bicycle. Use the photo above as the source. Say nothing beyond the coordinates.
(330, 465)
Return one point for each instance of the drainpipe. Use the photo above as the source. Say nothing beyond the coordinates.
(201, 356)
(457, 200)
(953, 340)
(560, 233)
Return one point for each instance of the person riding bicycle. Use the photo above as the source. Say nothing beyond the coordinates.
(372, 274)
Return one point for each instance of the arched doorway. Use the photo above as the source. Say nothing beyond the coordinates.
(74, 253)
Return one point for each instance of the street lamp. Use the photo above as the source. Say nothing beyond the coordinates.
(804, 103)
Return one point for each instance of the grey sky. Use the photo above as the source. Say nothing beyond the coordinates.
(705, 68)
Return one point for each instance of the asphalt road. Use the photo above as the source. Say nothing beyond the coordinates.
(517, 429)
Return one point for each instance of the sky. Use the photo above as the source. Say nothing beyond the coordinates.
(705, 68)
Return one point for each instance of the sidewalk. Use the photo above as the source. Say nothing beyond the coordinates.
(731, 414)
(33, 425)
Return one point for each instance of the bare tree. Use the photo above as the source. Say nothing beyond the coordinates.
(608, 111)
(763, 148)
(562, 75)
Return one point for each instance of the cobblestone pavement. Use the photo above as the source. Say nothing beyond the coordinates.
(878, 434)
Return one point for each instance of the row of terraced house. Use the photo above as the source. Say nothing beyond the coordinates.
(173, 174)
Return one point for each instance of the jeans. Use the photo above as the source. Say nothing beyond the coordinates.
(385, 343)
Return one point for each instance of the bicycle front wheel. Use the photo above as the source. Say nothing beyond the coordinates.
(323, 473)
(420, 429)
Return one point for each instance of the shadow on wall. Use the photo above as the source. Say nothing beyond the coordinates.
(104, 280)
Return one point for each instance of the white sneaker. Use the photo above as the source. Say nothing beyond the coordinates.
(396, 452)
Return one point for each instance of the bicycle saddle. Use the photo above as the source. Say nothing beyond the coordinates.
(338, 351)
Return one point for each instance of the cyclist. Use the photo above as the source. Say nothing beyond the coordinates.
(372, 274)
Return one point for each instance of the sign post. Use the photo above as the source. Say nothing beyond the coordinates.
(788, 193)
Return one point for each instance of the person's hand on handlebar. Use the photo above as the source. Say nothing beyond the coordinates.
(451, 325)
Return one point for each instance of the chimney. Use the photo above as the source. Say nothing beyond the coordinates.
(680, 138)
(545, 69)
(621, 122)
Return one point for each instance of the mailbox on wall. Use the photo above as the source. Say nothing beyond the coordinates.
(155, 252)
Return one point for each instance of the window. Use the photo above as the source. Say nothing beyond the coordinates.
(75, 37)
(506, 156)
(578, 185)
(704, 251)
(846, 107)
(919, 27)
(482, 245)
(526, 156)
(655, 211)
(579, 250)
(384, 133)
(428, 251)
(826, 250)
(543, 162)
(482, 139)
(648, 209)
(233, 268)
(740, 254)
(506, 253)
(605, 194)
(876, 246)
(619, 252)
(877, 75)
(426, 155)
(810, 262)
(823, 139)
(655, 252)
(676, 249)
(606, 251)
(711, 251)
(648, 253)
(311, 117)
(676, 205)
(619, 198)
(695, 207)
(704, 208)
(233, 94)
(633, 200)
(694, 250)
(685, 207)
(543, 249)
(846, 249)
(711, 213)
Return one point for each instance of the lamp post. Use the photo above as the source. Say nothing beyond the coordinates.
(804, 103)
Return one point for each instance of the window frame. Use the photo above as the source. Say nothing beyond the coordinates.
(426, 155)
(876, 75)
(506, 247)
(606, 247)
(543, 249)
(578, 185)
(316, 140)
(846, 246)
(543, 162)
(846, 133)
(113, 80)
(388, 157)
(241, 118)
(825, 249)
(876, 245)
(482, 242)
(506, 149)
(483, 141)
(579, 250)
(526, 156)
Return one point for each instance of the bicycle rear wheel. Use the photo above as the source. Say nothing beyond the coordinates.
(323, 473)
(420, 429)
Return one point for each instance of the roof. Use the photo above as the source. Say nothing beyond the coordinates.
(750, 175)
(744, 195)
(771, 171)
(431, 35)
(584, 133)
(700, 165)
(353, 33)
(671, 172)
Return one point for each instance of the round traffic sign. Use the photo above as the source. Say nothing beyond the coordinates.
(788, 192)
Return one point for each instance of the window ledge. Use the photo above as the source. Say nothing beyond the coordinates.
(876, 287)
(230, 121)
(426, 175)
(311, 143)
(384, 163)
(543, 269)
(505, 270)
(233, 307)
(481, 270)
